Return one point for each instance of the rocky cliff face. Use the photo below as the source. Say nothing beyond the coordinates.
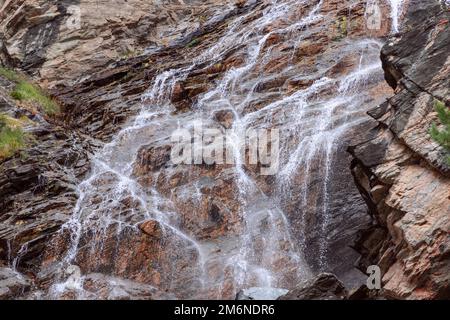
(401, 171)
(38, 186)
(96, 209)
(64, 42)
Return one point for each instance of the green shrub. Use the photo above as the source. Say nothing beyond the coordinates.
(344, 26)
(195, 42)
(9, 74)
(442, 136)
(25, 91)
(12, 136)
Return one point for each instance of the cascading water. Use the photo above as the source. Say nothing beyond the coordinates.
(396, 8)
(313, 120)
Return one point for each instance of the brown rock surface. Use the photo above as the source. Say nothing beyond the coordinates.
(38, 186)
(402, 172)
(63, 42)
(144, 229)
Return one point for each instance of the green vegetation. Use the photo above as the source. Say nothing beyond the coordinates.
(195, 42)
(29, 92)
(10, 74)
(26, 91)
(343, 26)
(12, 136)
(442, 136)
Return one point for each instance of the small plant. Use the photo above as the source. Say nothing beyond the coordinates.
(12, 136)
(344, 27)
(442, 136)
(10, 74)
(25, 91)
(195, 42)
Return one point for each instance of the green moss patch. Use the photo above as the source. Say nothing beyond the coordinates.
(25, 91)
(12, 136)
(29, 92)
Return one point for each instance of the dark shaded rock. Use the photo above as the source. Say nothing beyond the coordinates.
(99, 286)
(364, 293)
(179, 93)
(324, 287)
(38, 186)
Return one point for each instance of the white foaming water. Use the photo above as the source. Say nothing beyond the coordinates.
(396, 11)
(312, 121)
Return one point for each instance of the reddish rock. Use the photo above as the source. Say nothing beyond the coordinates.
(225, 118)
(151, 228)
(179, 93)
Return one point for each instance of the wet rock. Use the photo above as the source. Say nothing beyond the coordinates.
(12, 284)
(205, 198)
(38, 187)
(154, 157)
(127, 250)
(309, 49)
(324, 287)
(143, 260)
(99, 286)
(212, 211)
(178, 93)
(225, 118)
(261, 294)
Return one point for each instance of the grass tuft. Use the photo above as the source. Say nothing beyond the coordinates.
(9, 74)
(195, 42)
(25, 91)
(12, 136)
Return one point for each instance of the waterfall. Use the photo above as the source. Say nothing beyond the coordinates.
(396, 8)
(313, 120)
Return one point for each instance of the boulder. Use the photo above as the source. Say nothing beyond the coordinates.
(323, 287)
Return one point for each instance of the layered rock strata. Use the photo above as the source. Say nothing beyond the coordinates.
(401, 171)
